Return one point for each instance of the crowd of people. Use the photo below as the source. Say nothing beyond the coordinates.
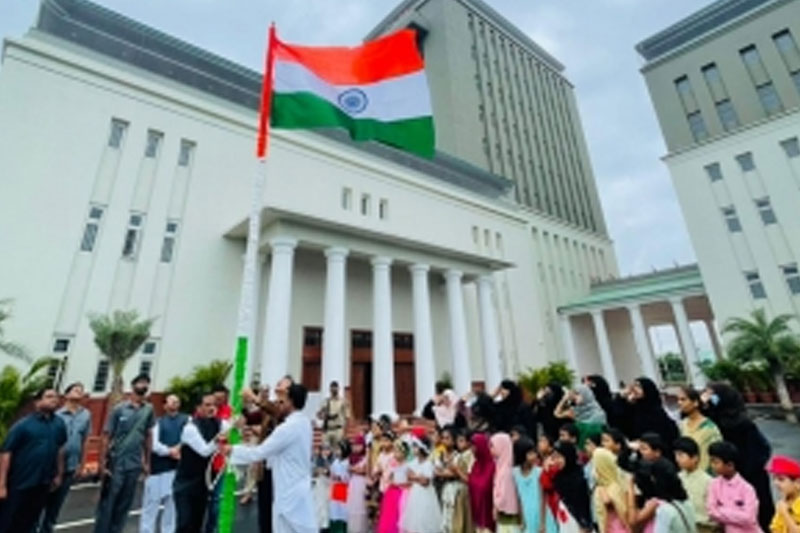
(572, 460)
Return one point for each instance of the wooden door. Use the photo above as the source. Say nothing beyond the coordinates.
(361, 374)
(404, 382)
(312, 358)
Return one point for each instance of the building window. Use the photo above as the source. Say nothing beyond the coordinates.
(731, 219)
(153, 142)
(61, 345)
(765, 210)
(746, 162)
(168, 245)
(698, 126)
(117, 133)
(347, 198)
(769, 98)
(756, 287)
(149, 347)
(792, 276)
(185, 154)
(791, 147)
(787, 47)
(714, 172)
(727, 115)
(365, 204)
(131, 244)
(101, 376)
(145, 367)
(383, 209)
(91, 229)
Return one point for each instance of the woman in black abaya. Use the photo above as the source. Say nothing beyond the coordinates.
(645, 414)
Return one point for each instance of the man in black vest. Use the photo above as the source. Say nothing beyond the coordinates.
(198, 443)
(166, 436)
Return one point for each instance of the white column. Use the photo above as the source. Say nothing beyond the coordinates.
(687, 342)
(606, 359)
(424, 368)
(383, 398)
(642, 345)
(275, 354)
(569, 343)
(462, 376)
(334, 361)
(712, 334)
(491, 344)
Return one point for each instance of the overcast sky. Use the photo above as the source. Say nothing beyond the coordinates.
(593, 38)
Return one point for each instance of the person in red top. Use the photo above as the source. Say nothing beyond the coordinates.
(224, 412)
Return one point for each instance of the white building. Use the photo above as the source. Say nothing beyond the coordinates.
(725, 83)
(126, 159)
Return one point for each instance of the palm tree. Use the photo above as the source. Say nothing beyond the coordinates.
(7, 347)
(16, 389)
(118, 336)
(770, 342)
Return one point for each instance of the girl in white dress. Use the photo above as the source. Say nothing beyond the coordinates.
(421, 513)
(340, 477)
(322, 484)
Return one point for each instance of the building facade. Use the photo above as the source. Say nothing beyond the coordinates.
(126, 159)
(501, 102)
(725, 84)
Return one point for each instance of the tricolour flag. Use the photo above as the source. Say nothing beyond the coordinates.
(377, 91)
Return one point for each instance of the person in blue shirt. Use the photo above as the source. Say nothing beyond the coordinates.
(78, 422)
(31, 464)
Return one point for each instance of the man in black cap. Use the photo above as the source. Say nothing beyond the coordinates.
(124, 456)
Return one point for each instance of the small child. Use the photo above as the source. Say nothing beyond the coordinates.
(527, 478)
(731, 500)
(614, 441)
(695, 480)
(517, 432)
(421, 512)
(786, 476)
(610, 493)
(340, 477)
(544, 446)
(506, 503)
(322, 485)
(569, 433)
(357, 516)
(392, 501)
(651, 447)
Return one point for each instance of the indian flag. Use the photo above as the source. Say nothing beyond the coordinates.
(377, 91)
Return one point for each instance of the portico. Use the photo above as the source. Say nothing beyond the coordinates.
(608, 331)
(385, 317)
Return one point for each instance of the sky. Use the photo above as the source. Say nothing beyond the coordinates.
(595, 39)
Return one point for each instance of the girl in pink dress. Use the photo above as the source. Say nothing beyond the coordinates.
(611, 493)
(393, 499)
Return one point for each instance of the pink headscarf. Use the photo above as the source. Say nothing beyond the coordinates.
(505, 493)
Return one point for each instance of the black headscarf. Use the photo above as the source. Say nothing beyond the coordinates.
(512, 410)
(728, 411)
(648, 415)
(570, 484)
(546, 407)
(609, 402)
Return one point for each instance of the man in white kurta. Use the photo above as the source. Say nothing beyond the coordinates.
(288, 451)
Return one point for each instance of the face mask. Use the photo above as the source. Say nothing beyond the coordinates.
(140, 391)
(714, 399)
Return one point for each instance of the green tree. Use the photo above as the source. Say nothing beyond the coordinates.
(16, 389)
(118, 336)
(202, 380)
(769, 342)
(7, 347)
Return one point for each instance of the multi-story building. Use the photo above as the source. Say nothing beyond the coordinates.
(725, 84)
(125, 170)
(501, 102)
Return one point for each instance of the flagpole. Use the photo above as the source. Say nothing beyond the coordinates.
(248, 297)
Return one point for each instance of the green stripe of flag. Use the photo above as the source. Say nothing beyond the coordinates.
(305, 110)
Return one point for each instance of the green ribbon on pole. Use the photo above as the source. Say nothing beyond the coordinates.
(227, 506)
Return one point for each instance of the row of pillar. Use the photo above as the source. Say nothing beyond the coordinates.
(641, 341)
(275, 354)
